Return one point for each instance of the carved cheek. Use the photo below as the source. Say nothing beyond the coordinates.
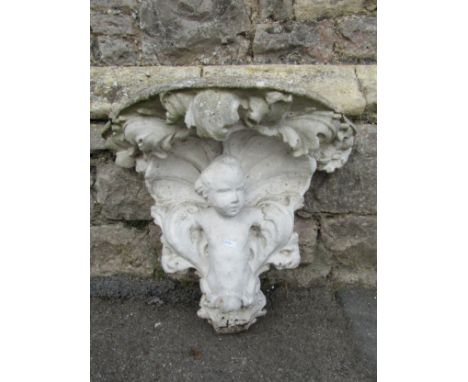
(215, 198)
(222, 199)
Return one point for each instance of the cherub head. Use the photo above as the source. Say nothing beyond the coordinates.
(222, 184)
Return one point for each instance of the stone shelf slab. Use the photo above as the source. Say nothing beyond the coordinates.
(338, 84)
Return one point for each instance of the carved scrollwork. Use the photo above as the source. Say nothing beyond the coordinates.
(227, 168)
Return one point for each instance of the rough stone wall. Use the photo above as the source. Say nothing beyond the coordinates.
(222, 32)
(135, 44)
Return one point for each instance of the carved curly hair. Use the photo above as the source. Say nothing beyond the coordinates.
(223, 165)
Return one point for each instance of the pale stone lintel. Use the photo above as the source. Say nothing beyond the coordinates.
(367, 79)
(307, 10)
(338, 84)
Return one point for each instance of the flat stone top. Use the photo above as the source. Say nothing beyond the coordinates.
(345, 88)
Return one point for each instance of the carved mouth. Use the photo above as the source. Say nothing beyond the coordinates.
(234, 209)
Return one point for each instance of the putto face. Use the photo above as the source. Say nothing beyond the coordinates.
(227, 194)
(222, 184)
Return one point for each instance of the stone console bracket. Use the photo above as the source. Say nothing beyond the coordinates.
(227, 163)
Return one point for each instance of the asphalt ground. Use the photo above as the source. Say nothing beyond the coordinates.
(144, 331)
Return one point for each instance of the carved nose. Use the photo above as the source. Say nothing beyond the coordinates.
(230, 303)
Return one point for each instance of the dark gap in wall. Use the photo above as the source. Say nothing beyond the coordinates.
(139, 224)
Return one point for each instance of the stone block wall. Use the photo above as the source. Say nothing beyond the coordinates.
(140, 43)
(227, 32)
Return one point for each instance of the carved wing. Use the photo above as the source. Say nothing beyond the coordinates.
(272, 174)
(172, 161)
(273, 241)
(275, 183)
(170, 181)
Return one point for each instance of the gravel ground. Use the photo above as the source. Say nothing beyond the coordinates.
(142, 332)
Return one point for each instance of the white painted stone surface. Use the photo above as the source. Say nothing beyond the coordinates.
(227, 168)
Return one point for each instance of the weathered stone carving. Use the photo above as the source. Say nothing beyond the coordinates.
(227, 168)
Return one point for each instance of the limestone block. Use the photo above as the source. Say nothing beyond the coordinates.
(185, 32)
(117, 249)
(276, 10)
(305, 276)
(294, 43)
(115, 50)
(97, 142)
(107, 4)
(112, 23)
(112, 85)
(347, 39)
(307, 230)
(315, 265)
(336, 83)
(92, 209)
(351, 239)
(345, 254)
(367, 78)
(352, 189)
(310, 10)
(359, 38)
(121, 193)
(222, 51)
(346, 276)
